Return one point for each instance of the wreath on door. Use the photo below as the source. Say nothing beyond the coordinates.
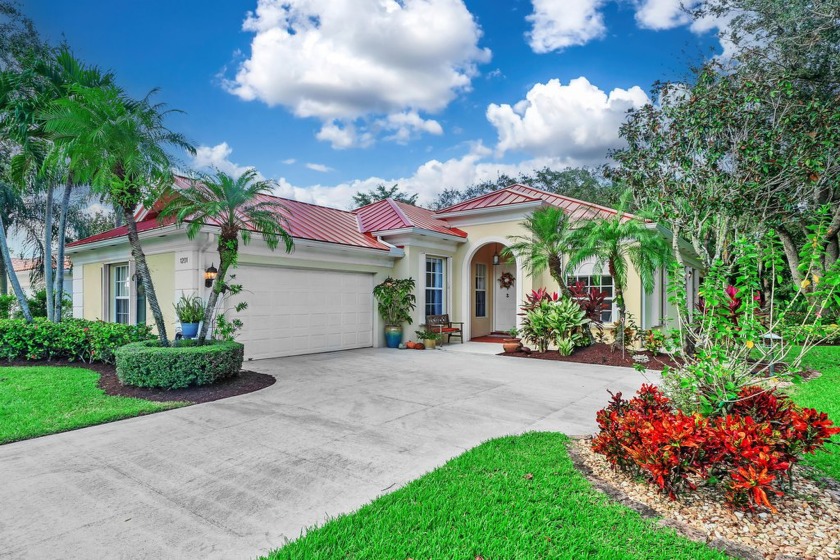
(506, 280)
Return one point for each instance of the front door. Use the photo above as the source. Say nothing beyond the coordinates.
(504, 306)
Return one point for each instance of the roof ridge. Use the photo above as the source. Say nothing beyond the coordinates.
(485, 195)
(400, 213)
(572, 199)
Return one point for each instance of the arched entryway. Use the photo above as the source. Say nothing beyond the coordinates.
(493, 289)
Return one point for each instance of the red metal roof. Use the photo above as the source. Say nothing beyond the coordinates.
(389, 214)
(302, 221)
(145, 225)
(320, 223)
(520, 194)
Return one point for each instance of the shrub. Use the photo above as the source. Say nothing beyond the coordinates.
(71, 339)
(549, 319)
(38, 305)
(750, 450)
(147, 364)
(7, 301)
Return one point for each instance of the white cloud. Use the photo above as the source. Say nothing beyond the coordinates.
(218, 157)
(343, 60)
(663, 14)
(320, 167)
(557, 24)
(428, 180)
(289, 161)
(577, 123)
(407, 125)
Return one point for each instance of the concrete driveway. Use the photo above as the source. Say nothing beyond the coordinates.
(236, 478)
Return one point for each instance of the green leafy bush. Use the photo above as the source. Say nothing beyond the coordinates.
(147, 364)
(551, 321)
(38, 305)
(71, 340)
(6, 303)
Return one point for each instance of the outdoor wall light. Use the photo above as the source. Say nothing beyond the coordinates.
(209, 276)
(496, 258)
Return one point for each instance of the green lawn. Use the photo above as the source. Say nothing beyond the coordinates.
(507, 499)
(823, 394)
(40, 400)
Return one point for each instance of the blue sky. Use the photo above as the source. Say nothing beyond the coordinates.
(332, 96)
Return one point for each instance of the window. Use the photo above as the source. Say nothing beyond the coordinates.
(120, 288)
(603, 283)
(480, 290)
(435, 286)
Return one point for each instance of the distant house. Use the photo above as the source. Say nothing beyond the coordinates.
(24, 269)
(319, 297)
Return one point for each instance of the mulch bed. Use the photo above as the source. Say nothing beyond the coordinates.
(806, 525)
(245, 382)
(600, 354)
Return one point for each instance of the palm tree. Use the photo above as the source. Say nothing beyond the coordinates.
(543, 248)
(10, 203)
(118, 146)
(239, 206)
(28, 94)
(616, 241)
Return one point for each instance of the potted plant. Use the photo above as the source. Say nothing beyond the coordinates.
(396, 302)
(428, 337)
(190, 312)
(513, 343)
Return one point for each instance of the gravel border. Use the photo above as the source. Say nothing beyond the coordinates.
(807, 525)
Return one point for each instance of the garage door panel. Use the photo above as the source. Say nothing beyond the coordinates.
(294, 311)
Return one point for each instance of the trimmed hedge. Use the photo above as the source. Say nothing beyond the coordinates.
(71, 339)
(147, 364)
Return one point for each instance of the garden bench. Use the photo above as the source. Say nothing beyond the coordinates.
(441, 324)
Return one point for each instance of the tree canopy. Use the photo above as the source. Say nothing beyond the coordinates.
(381, 192)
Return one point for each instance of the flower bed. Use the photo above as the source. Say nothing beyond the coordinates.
(805, 527)
(750, 451)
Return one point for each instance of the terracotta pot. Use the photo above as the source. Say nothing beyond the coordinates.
(511, 345)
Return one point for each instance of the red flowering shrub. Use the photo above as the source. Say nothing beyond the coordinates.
(749, 450)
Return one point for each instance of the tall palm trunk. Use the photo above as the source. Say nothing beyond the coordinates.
(7, 261)
(145, 276)
(227, 250)
(555, 267)
(48, 265)
(4, 280)
(59, 257)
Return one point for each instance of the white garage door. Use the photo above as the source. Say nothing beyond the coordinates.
(296, 311)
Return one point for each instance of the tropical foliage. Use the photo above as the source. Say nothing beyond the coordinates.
(750, 450)
(548, 238)
(241, 207)
(396, 300)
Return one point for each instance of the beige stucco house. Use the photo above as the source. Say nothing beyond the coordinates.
(319, 299)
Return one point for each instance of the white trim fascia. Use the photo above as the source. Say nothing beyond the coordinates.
(412, 241)
(122, 239)
(420, 232)
(181, 241)
(518, 207)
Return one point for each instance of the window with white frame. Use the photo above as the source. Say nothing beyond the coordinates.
(604, 283)
(119, 287)
(435, 286)
(480, 290)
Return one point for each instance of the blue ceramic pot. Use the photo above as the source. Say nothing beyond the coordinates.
(189, 330)
(393, 336)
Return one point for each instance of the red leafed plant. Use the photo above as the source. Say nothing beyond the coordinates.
(592, 301)
(536, 297)
(750, 450)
